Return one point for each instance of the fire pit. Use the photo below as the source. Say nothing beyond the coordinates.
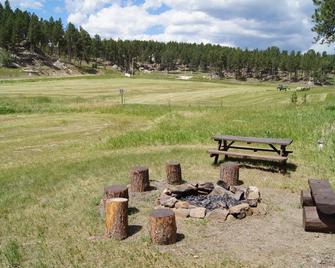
(212, 201)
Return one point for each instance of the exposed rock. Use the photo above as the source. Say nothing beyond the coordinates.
(182, 212)
(223, 185)
(237, 188)
(183, 189)
(260, 210)
(238, 209)
(205, 188)
(253, 193)
(252, 202)
(167, 191)
(230, 218)
(218, 215)
(253, 196)
(182, 204)
(239, 195)
(218, 190)
(198, 213)
(167, 200)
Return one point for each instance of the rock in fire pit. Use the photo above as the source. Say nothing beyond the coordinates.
(215, 202)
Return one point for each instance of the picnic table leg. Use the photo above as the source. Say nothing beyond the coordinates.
(216, 159)
(283, 153)
(225, 148)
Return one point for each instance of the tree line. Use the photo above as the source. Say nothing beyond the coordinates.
(18, 28)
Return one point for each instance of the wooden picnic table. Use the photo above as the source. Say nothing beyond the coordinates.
(276, 146)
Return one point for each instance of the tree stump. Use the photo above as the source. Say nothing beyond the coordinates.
(163, 228)
(229, 173)
(173, 172)
(116, 220)
(140, 179)
(115, 191)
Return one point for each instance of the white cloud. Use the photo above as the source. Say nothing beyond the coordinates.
(243, 23)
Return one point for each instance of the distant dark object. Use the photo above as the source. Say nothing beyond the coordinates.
(282, 87)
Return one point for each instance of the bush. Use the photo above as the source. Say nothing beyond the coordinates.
(5, 59)
(294, 97)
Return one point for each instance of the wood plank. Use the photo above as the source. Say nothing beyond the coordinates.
(248, 156)
(284, 142)
(323, 195)
(314, 221)
(306, 199)
(255, 149)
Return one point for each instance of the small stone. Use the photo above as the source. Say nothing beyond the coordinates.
(218, 215)
(167, 201)
(260, 210)
(241, 215)
(198, 213)
(238, 195)
(249, 212)
(252, 202)
(182, 204)
(182, 212)
(231, 218)
(167, 191)
(253, 196)
(218, 190)
(237, 209)
(253, 193)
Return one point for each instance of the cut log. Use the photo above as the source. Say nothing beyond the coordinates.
(323, 196)
(163, 228)
(140, 179)
(115, 191)
(306, 199)
(229, 173)
(116, 221)
(173, 172)
(315, 221)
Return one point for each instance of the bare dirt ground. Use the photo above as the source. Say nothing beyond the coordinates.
(274, 240)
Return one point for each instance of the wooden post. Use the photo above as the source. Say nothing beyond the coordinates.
(315, 221)
(229, 173)
(140, 179)
(163, 228)
(173, 172)
(116, 221)
(306, 199)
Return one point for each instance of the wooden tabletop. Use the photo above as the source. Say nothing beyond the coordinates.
(284, 142)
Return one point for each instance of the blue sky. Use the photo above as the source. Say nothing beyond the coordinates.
(238, 23)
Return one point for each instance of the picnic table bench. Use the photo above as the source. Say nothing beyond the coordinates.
(276, 146)
(319, 207)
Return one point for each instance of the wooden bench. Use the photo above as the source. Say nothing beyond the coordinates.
(319, 207)
(227, 143)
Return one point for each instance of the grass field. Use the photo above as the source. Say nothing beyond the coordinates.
(63, 140)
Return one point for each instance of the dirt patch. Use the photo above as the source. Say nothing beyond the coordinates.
(276, 240)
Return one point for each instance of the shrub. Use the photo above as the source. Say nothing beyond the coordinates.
(294, 97)
(5, 59)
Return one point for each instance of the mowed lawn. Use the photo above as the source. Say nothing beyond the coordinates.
(63, 140)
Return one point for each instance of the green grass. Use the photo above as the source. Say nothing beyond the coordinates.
(63, 140)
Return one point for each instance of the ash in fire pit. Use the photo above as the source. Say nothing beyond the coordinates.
(212, 202)
(207, 198)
